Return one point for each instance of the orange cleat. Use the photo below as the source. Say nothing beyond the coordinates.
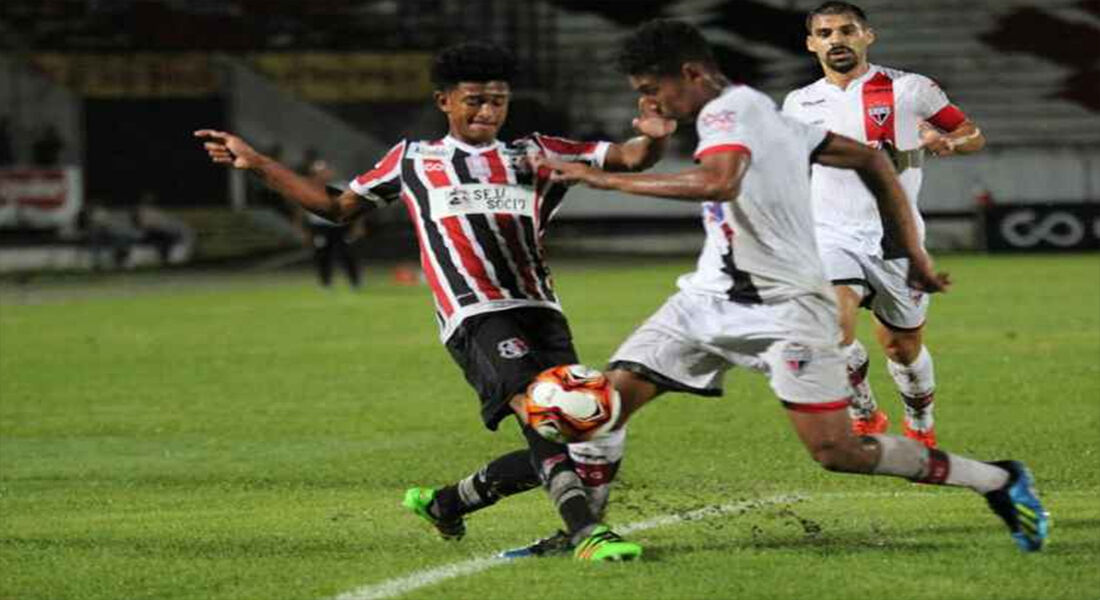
(878, 422)
(926, 437)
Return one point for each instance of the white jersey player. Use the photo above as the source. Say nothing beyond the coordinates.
(902, 114)
(759, 292)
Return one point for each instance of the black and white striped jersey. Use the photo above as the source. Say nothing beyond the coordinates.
(479, 214)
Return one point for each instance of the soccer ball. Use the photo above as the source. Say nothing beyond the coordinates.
(571, 403)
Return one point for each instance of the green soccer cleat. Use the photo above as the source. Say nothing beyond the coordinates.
(419, 501)
(606, 545)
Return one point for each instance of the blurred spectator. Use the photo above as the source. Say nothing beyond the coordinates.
(47, 147)
(171, 237)
(108, 234)
(330, 241)
(7, 155)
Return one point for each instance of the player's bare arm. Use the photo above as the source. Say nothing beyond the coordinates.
(643, 151)
(716, 179)
(329, 203)
(878, 174)
(964, 139)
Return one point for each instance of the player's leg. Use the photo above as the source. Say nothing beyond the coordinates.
(1008, 486)
(809, 376)
(845, 269)
(866, 416)
(501, 353)
(900, 314)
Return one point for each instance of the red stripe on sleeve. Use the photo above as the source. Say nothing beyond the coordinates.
(384, 166)
(426, 263)
(820, 407)
(470, 260)
(722, 148)
(948, 119)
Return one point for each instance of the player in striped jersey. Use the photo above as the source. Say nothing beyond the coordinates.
(893, 110)
(479, 210)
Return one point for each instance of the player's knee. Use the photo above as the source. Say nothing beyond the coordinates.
(902, 347)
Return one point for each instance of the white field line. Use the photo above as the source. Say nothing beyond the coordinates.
(392, 588)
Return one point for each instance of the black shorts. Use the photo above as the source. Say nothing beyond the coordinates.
(501, 352)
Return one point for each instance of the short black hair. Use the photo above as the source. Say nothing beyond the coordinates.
(661, 47)
(836, 8)
(472, 61)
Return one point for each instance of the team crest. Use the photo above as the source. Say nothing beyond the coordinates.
(513, 348)
(796, 357)
(879, 113)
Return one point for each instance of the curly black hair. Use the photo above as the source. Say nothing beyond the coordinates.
(661, 47)
(836, 8)
(472, 61)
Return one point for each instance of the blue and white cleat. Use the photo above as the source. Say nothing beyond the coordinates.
(557, 544)
(1018, 505)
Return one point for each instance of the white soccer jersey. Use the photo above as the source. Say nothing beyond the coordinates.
(479, 215)
(760, 247)
(884, 107)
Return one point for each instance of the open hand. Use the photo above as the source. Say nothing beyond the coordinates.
(229, 149)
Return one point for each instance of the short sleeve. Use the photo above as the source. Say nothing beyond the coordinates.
(723, 127)
(591, 153)
(789, 103)
(928, 97)
(382, 184)
(811, 136)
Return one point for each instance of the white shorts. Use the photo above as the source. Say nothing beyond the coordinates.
(882, 284)
(693, 339)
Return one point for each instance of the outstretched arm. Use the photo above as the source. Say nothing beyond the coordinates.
(717, 178)
(329, 203)
(897, 215)
(643, 151)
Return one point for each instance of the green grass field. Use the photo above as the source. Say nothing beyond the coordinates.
(212, 437)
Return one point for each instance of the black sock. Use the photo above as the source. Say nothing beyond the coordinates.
(506, 475)
(559, 478)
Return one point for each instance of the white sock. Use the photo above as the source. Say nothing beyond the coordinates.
(917, 384)
(863, 403)
(903, 457)
(597, 462)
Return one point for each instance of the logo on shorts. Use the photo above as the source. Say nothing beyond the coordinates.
(513, 348)
(916, 296)
(796, 357)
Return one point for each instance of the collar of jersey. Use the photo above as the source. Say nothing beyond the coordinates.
(453, 141)
(871, 70)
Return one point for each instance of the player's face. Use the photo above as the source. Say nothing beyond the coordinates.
(475, 111)
(839, 41)
(674, 96)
